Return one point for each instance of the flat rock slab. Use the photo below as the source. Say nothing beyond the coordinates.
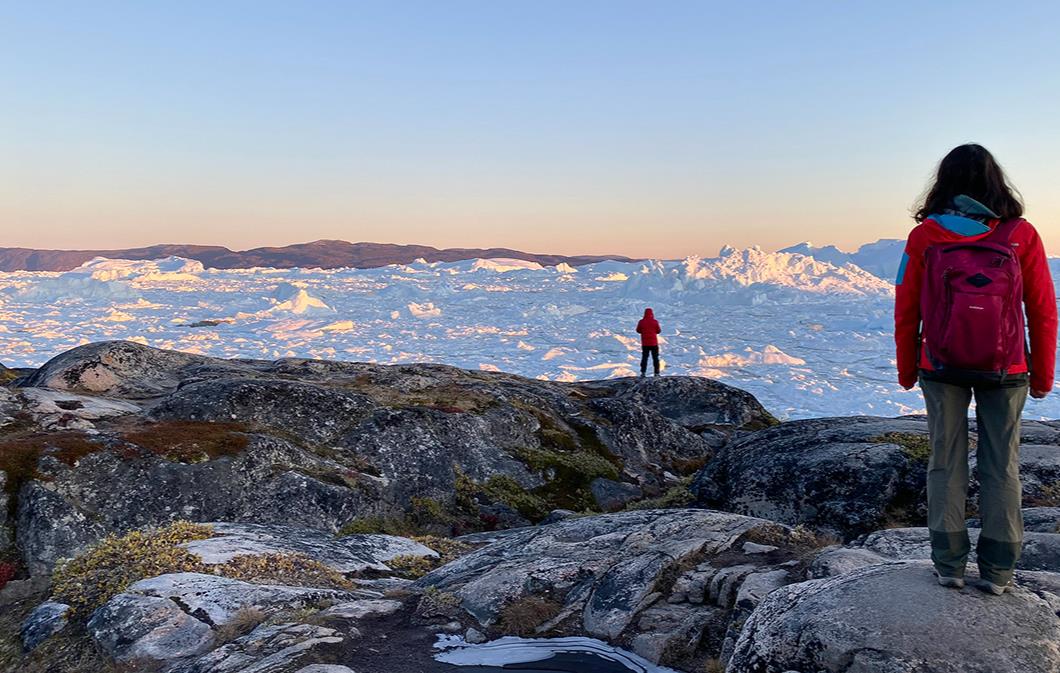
(215, 600)
(894, 618)
(355, 610)
(349, 554)
(88, 407)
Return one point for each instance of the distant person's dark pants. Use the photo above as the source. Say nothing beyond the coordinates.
(645, 350)
(997, 412)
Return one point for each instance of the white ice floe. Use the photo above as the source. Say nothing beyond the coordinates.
(425, 310)
(504, 264)
(300, 302)
(166, 269)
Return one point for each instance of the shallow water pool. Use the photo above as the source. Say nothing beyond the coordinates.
(542, 655)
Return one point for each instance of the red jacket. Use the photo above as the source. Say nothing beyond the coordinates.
(1039, 298)
(649, 329)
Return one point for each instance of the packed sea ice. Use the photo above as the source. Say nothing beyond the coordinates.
(808, 338)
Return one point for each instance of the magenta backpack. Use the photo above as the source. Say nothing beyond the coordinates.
(971, 304)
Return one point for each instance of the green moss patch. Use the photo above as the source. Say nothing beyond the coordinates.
(378, 525)
(414, 567)
(916, 447)
(767, 420)
(677, 496)
(510, 492)
(425, 516)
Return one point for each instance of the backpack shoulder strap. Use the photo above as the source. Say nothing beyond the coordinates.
(1002, 233)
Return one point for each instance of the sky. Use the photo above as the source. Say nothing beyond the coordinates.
(656, 129)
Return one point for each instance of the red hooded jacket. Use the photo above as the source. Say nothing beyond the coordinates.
(649, 329)
(1039, 298)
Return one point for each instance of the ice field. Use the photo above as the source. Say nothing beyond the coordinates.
(808, 337)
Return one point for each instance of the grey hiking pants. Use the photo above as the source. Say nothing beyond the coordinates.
(998, 412)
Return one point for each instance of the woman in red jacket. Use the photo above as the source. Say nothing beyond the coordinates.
(649, 330)
(972, 268)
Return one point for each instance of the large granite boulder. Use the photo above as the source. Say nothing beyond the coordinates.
(148, 628)
(894, 618)
(846, 475)
(851, 476)
(696, 404)
(116, 368)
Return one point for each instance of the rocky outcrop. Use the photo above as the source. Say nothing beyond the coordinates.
(852, 476)
(894, 618)
(280, 456)
(666, 583)
(1039, 473)
(317, 444)
(269, 482)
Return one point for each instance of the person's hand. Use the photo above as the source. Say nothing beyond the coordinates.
(907, 382)
(1038, 394)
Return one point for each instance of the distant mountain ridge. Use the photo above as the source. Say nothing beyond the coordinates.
(324, 254)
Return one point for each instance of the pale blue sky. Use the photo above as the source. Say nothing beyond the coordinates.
(662, 128)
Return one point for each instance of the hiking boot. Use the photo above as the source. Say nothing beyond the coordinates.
(991, 588)
(642, 374)
(951, 582)
(656, 373)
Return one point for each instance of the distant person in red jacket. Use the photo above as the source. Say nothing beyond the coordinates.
(972, 268)
(649, 330)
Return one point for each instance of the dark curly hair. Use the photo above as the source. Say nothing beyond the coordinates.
(970, 170)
